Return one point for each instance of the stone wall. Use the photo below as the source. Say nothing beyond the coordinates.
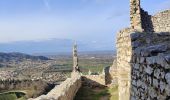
(143, 62)
(150, 76)
(146, 19)
(135, 14)
(124, 52)
(94, 80)
(113, 73)
(143, 57)
(161, 21)
(65, 91)
(142, 21)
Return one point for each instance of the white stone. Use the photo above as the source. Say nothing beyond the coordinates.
(152, 92)
(155, 83)
(167, 89)
(157, 73)
(151, 60)
(162, 86)
(149, 70)
(142, 59)
(162, 74)
(136, 66)
(139, 83)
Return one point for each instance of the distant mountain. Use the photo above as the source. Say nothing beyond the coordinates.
(54, 46)
(15, 57)
(30, 47)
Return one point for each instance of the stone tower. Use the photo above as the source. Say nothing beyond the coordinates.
(135, 15)
(75, 59)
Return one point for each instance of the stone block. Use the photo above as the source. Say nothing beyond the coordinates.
(162, 86)
(155, 83)
(136, 66)
(149, 70)
(167, 77)
(142, 59)
(167, 89)
(151, 60)
(157, 73)
(135, 36)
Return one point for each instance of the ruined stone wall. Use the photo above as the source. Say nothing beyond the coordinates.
(94, 80)
(157, 23)
(124, 52)
(113, 73)
(143, 57)
(146, 21)
(142, 21)
(65, 91)
(143, 61)
(161, 21)
(135, 14)
(150, 76)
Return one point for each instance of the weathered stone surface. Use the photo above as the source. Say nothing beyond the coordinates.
(136, 44)
(135, 36)
(149, 70)
(139, 83)
(136, 66)
(157, 73)
(161, 97)
(167, 77)
(162, 74)
(162, 86)
(155, 49)
(151, 60)
(142, 59)
(155, 83)
(167, 89)
(167, 57)
(152, 92)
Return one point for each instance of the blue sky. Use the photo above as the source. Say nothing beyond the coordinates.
(82, 20)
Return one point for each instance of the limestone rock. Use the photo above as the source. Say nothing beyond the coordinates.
(167, 77)
(157, 73)
(149, 70)
(155, 83)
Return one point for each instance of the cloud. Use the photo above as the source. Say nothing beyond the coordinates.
(47, 5)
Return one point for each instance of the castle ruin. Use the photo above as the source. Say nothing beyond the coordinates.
(143, 56)
(143, 60)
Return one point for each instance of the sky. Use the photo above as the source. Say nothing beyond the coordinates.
(92, 21)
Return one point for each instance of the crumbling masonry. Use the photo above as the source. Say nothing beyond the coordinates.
(143, 56)
(75, 59)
